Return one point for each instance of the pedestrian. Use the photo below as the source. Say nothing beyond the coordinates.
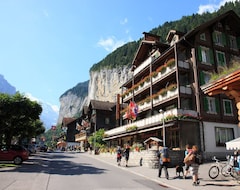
(126, 154)
(187, 165)
(164, 160)
(119, 155)
(194, 167)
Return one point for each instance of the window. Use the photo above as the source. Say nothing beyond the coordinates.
(186, 103)
(205, 55)
(203, 37)
(221, 61)
(227, 107)
(219, 38)
(223, 135)
(233, 42)
(107, 120)
(204, 77)
(211, 105)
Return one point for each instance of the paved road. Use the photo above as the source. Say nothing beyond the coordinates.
(63, 171)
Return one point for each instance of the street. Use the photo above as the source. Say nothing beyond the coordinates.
(66, 170)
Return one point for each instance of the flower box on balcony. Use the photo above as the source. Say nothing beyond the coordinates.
(171, 63)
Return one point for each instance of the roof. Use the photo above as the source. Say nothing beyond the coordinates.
(101, 105)
(152, 139)
(149, 41)
(235, 20)
(229, 85)
(67, 120)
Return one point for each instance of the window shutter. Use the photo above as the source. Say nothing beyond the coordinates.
(205, 104)
(224, 37)
(214, 37)
(202, 81)
(199, 53)
(238, 42)
(211, 56)
(217, 105)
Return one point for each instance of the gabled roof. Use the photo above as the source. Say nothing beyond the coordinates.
(101, 105)
(147, 44)
(171, 34)
(67, 120)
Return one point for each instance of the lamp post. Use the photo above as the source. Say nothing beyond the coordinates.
(164, 136)
(95, 128)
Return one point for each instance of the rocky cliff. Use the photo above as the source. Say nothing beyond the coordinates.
(103, 85)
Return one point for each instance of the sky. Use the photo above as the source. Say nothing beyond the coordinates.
(49, 46)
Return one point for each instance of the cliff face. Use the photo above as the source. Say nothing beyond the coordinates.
(103, 86)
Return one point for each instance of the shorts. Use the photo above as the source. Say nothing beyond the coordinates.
(194, 169)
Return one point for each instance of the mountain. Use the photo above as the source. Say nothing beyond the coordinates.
(49, 115)
(73, 100)
(5, 87)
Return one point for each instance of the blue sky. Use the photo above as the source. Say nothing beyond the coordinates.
(48, 46)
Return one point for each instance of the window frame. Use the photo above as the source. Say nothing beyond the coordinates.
(233, 42)
(223, 135)
(225, 107)
(219, 62)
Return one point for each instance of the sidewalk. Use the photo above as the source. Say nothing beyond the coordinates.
(206, 183)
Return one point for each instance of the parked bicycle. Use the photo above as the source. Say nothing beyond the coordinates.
(216, 168)
(230, 170)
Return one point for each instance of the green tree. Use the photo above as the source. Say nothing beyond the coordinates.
(19, 118)
(98, 136)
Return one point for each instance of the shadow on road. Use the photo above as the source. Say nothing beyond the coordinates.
(54, 163)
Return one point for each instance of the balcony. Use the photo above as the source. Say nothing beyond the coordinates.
(142, 66)
(153, 120)
(80, 137)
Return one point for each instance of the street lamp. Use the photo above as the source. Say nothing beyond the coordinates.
(164, 136)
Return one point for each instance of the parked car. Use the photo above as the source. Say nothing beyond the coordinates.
(14, 153)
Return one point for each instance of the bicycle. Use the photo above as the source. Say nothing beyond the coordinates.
(230, 170)
(216, 168)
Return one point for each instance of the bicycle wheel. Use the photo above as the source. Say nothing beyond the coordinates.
(226, 170)
(235, 175)
(213, 172)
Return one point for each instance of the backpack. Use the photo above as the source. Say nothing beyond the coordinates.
(198, 159)
(165, 155)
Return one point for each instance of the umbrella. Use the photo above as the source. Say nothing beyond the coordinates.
(233, 144)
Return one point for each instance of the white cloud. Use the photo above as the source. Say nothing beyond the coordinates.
(111, 43)
(211, 7)
(31, 97)
(124, 21)
(55, 108)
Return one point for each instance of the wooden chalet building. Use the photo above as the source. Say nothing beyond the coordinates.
(168, 77)
(69, 128)
(97, 115)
